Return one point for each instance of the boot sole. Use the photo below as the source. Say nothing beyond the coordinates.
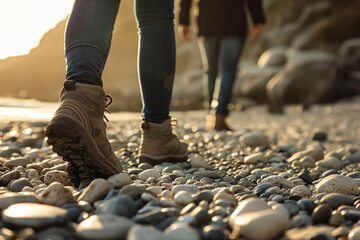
(73, 144)
(156, 160)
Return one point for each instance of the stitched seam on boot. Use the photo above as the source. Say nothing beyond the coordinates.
(78, 115)
(150, 146)
(76, 96)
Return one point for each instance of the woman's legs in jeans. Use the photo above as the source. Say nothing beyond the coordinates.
(88, 40)
(156, 57)
(77, 131)
(230, 51)
(209, 48)
(156, 64)
(227, 51)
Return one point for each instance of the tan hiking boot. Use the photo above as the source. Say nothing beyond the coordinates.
(77, 132)
(159, 144)
(217, 122)
(220, 123)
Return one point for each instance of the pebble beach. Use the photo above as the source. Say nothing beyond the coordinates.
(288, 176)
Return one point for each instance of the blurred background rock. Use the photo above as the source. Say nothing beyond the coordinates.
(308, 52)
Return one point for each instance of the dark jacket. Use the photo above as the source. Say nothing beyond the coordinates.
(222, 17)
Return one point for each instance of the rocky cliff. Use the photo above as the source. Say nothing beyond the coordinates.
(294, 29)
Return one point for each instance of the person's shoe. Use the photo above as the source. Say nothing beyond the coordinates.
(217, 122)
(77, 132)
(159, 144)
(220, 123)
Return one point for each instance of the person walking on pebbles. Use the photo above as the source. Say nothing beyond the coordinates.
(77, 132)
(222, 28)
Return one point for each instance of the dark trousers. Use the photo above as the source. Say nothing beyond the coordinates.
(88, 39)
(220, 53)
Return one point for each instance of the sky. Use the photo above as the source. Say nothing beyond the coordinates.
(24, 22)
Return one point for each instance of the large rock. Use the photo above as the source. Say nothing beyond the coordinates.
(180, 231)
(97, 189)
(348, 61)
(192, 189)
(273, 57)
(297, 57)
(148, 173)
(248, 205)
(330, 163)
(301, 190)
(7, 177)
(299, 18)
(347, 69)
(265, 224)
(252, 82)
(312, 14)
(316, 153)
(327, 33)
(254, 139)
(334, 200)
(277, 181)
(255, 158)
(8, 199)
(198, 161)
(121, 205)
(105, 227)
(119, 180)
(349, 54)
(309, 232)
(338, 184)
(305, 83)
(56, 176)
(133, 190)
(34, 215)
(16, 162)
(142, 232)
(183, 198)
(56, 194)
(19, 184)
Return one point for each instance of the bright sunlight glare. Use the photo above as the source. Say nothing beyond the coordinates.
(23, 23)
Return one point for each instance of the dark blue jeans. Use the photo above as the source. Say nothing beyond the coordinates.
(224, 52)
(88, 39)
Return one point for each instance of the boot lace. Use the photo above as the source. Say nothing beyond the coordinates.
(173, 122)
(108, 100)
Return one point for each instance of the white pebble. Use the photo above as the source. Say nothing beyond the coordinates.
(183, 198)
(144, 175)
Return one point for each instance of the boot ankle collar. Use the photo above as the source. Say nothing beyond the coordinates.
(166, 126)
(145, 125)
(69, 85)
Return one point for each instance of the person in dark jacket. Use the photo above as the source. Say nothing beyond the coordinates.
(222, 28)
